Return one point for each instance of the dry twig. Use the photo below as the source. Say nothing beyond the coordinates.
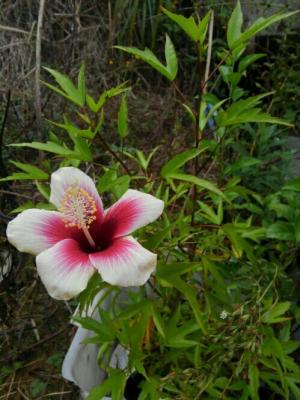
(38, 108)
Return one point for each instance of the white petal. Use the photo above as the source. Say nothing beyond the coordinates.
(81, 361)
(68, 176)
(34, 230)
(134, 210)
(124, 263)
(64, 269)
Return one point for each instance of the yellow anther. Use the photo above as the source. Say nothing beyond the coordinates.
(78, 207)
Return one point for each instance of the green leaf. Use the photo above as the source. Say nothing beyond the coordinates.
(105, 333)
(189, 112)
(177, 338)
(43, 189)
(258, 26)
(153, 241)
(16, 176)
(281, 230)
(147, 55)
(202, 183)
(82, 148)
(190, 294)
(143, 161)
(139, 308)
(240, 106)
(243, 111)
(31, 170)
(188, 25)
(235, 25)
(273, 315)
(171, 58)
(121, 184)
(253, 374)
(123, 118)
(149, 390)
(292, 383)
(165, 271)
(51, 147)
(209, 213)
(30, 173)
(22, 207)
(81, 84)
(243, 162)
(158, 321)
(95, 107)
(37, 387)
(68, 89)
(114, 385)
(246, 104)
(204, 119)
(91, 104)
(179, 160)
(56, 359)
(248, 60)
(294, 184)
(203, 27)
(239, 245)
(73, 129)
(255, 115)
(107, 180)
(209, 265)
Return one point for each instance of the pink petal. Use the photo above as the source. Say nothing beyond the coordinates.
(35, 230)
(134, 210)
(64, 269)
(124, 263)
(66, 177)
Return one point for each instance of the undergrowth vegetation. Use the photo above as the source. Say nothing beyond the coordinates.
(219, 319)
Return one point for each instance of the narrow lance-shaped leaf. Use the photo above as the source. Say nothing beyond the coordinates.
(73, 129)
(245, 104)
(190, 294)
(243, 111)
(258, 26)
(275, 313)
(81, 83)
(189, 112)
(235, 24)
(248, 60)
(158, 321)
(179, 160)
(33, 171)
(202, 183)
(123, 118)
(69, 91)
(188, 25)
(51, 147)
(169, 71)
(253, 374)
(203, 27)
(171, 59)
(95, 106)
(43, 189)
(82, 148)
(114, 385)
(253, 115)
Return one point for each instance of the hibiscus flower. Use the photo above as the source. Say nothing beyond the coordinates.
(71, 244)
